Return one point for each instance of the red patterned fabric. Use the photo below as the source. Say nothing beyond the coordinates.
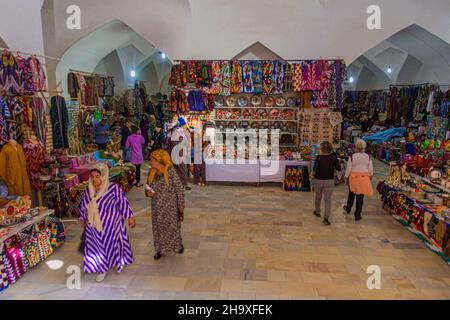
(34, 156)
(267, 77)
(236, 77)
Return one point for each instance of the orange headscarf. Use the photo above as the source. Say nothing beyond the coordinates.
(163, 157)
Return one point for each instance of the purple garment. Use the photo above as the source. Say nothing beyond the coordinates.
(135, 141)
(196, 100)
(110, 248)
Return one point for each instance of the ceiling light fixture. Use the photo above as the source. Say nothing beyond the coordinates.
(133, 73)
(163, 55)
(389, 70)
(351, 80)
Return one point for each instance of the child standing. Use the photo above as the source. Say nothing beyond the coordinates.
(135, 141)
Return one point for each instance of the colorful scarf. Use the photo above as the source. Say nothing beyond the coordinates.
(247, 76)
(236, 77)
(225, 90)
(216, 78)
(288, 75)
(297, 77)
(278, 77)
(203, 78)
(267, 77)
(257, 77)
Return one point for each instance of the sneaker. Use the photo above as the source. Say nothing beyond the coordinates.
(157, 256)
(101, 277)
(326, 222)
(317, 214)
(345, 209)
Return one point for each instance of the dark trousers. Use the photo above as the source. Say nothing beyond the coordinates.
(138, 173)
(359, 203)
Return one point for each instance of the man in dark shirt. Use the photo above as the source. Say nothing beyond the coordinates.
(126, 132)
(102, 134)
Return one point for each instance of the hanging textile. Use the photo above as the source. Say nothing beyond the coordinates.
(216, 76)
(278, 77)
(4, 115)
(204, 74)
(191, 71)
(82, 87)
(178, 75)
(236, 77)
(60, 122)
(4, 283)
(247, 76)
(267, 77)
(196, 100)
(13, 169)
(339, 73)
(257, 77)
(39, 123)
(297, 77)
(225, 90)
(306, 79)
(288, 77)
(34, 155)
(9, 76)
(178, 101)
(39, 79)
(72, 85)
(25, 76)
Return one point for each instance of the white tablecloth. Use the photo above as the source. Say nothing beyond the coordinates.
(232, 172)
(256, 173)
(267, 175)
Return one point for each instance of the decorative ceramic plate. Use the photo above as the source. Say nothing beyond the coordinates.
(219, 101)
(242, 102)
(291, 102)
(265, 125)
(256, 101)
(245, 124)
(232, 125)
(269, 102)
(255, 125)
(275, 114)
(261, 114)
(435, 174)
(220, 125)
(280, 102)
(231, 101)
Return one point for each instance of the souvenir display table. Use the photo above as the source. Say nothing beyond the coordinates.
(427, 219)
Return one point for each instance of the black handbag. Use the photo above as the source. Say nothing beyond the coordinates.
(82, 242)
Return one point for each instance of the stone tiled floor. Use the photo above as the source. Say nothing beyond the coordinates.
(244, 242)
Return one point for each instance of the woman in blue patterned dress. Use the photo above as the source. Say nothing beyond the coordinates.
(103, 212)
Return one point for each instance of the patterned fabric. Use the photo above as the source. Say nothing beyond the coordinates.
(236, 77)
(9, 77)
(267, 77)
(4, 114)
(57, 234)
(45, 248)
(14, 263)
(247, 76)
(60, 122)
(25, 76)
(34, 156)
(278, 77)
(257, 77)
(204, 74)
(178, 75)
(297, 179)
(297, 77)
(191, 71)
(31, 245)
(225, 89)
(166, 203)
(196, 100)
(178, 101)
(288, 75)
(39, 79)
(216, 76)
(110, 248)
(4, 283)
(39, 123)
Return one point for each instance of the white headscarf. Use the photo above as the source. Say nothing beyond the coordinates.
(93, 214)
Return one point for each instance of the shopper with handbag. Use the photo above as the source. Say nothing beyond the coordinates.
(358, 177)
(323, 173)
(166, 191)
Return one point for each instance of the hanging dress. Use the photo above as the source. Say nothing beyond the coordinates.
(247, 76)
(34, 156)
(9, 76)
(225, 90)
(267, 77)
(216, 76)
(278, 77)
(39, 79)
(236, 77)
(60, 122)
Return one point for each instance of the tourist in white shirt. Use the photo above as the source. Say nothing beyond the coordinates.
(358, 177)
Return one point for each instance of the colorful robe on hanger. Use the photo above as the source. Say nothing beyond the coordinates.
(297, 77)
(178, 75)
(247, 76)
(39, 79)
(306, 78)
(13, 170)
(4, 115)
(60, 122)
(278, 77)
(225, 90)
(178, 101)
(191, 71)
(9, 77)
(267, 77)
(25, 76)
(257, 76)
(204, 74)
(34, 156)
(216, 78)
(236, 77)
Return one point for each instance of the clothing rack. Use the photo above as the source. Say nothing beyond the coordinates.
(30, 54)
(90, 73)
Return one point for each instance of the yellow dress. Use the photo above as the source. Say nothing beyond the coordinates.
(13, 170)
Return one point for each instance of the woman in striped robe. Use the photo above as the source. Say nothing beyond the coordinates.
(103, 212)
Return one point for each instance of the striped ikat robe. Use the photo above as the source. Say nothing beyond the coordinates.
(112, 247)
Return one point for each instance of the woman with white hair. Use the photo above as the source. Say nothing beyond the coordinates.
(358, 177)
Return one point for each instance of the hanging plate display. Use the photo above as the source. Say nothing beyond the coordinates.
(255, 125)
(265, 125)
(242, 102)
(220, 125)
(231, 101)
(256, 101)
(232, 125)
(261, 114)
(275, 114)
(245, 124)
(292, 102)
(269, 102)
(219, 101)
(435, 174)
(280, 102)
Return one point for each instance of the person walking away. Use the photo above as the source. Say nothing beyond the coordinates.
(103, 212)
(358, 176)
(166, 191)
(135, 142)
(145, 132)
(102, 134)
(126, 132)
(323, 174)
